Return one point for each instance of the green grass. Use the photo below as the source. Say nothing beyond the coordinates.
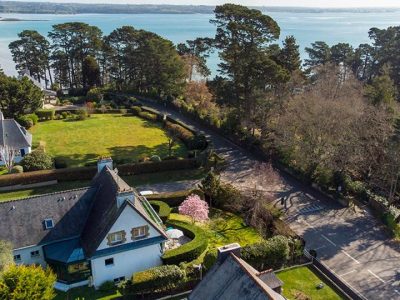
(224, 228)
(135, 180)
(125, 138)
(86, 293)
(300, 282)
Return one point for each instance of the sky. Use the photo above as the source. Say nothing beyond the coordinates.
(302, 3)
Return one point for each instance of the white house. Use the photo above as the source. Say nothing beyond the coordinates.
(103, 232)
(14, 136)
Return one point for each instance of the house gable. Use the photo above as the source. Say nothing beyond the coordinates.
(129, 221)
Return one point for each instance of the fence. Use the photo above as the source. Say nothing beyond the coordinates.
(348, 291)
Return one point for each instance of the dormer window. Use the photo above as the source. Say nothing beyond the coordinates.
(48, 223)
(116, 238)
(140, 232)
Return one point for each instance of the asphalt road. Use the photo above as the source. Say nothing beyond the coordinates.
(350, 242)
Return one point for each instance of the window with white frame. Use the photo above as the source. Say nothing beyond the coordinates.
(116, 238)
(140, 232)
(48, 223)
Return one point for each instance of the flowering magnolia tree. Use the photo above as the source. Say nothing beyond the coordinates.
(195, 208)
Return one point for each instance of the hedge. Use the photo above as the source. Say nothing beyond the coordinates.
(45, 114)
(189, 251)
(163, 210)
(148, 116)
(174, 199)
(87, 173)
(161, 278)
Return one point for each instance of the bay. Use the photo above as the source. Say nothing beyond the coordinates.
(331, 27)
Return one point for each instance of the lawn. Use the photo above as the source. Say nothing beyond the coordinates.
(225, 228)
(134, 180)
(86, 293)
(301, 282)
(124, 138)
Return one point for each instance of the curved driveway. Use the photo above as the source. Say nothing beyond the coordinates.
(351, 242)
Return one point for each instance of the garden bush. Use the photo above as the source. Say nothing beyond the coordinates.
(95, 95)
(210, 258)
(163, 210)
(148, 116)
(153, 167)
(25, 121)
(269, 254)
(189, 251)
(65, 114)
(60, 163)
(107, 286)
(173, 199)
(34, 118)
(136, 110)
(185, 135)
(37, 160)
(81, 114)
(45, 114)
(157, 279)
(17, 170)
(155, 158)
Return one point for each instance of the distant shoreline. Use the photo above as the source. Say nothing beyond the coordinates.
(13, 7)
(19, 20)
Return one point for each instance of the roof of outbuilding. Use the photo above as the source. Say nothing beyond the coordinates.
(233, 278)
(270, 279)
(22, 221)
(14, 135)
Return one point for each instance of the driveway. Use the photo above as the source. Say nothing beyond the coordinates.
(351, 243)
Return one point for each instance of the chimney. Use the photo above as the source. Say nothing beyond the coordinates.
(103, 162)
(224, 251)
(125, 196)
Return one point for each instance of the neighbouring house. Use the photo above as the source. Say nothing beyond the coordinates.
(16, 137)
(232, 278)
(49, 96)
(104, 232)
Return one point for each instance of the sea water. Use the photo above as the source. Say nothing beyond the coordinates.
(331, 27)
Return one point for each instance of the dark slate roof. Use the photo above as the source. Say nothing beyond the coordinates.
(270, 279)
(65, 251)
(231, 279)
(14, 135)
(21, 221)
(105, 211)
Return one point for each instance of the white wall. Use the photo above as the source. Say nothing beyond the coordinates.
(125, 264)
(26, 258)
(128, 219)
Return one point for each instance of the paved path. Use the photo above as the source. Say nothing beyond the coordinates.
(351, 243)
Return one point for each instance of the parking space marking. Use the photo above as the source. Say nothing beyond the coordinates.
(376, 276)
(319, 248)
(352, 271)
(348, 255)
(328, 240)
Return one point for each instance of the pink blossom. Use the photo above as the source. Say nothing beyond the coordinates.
(195, 208)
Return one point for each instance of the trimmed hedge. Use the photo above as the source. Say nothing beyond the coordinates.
(153, 167)
(160, 278)
(163, 210)
(148, 116)
(87, 173)
(189, 251)
(45, 114)
(174, 199)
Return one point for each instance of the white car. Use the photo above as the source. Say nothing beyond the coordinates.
(146, 193)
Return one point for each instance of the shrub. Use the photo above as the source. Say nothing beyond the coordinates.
(162, 278)
(107, 286)
(27, 282)
(227, 197)
(199, 142)
(163, 210)
(185, 135)
(189, 251)
(25, 121)
(269, 254)
(136, 110)
(148, 116)
(64, 114)
(210, 258)
(17, 169)
(153, 167)
(45, 114)
(60, 163)
(37, 160)
(81, 114)
(34, 118)
(173, 199)
(95, 95)
(155, 158)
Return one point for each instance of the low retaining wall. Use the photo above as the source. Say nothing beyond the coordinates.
(327, 273)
